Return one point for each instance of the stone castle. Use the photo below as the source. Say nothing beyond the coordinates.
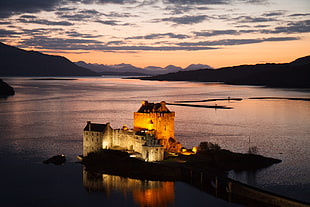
(152, 135)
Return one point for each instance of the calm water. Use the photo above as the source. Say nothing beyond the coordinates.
(46, 117)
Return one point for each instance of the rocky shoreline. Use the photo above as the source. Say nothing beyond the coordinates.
(214, 162)
(6, 89)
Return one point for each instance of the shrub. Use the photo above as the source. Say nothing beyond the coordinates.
(208, 146)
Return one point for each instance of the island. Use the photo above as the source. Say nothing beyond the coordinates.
(150, 150)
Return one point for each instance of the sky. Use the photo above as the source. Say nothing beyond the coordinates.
(159, 33)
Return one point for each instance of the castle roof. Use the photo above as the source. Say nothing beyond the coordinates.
(153, 107)
(95, 127)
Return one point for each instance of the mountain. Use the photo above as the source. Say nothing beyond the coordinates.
(197, 67)
(301, 61)
(130, 70)
(119, 69)
(19, 62)
(288, 75)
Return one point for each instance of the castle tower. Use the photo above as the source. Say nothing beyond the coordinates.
(157, 117)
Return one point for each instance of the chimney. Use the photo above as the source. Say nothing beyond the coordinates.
(89, 125)
(144, 103)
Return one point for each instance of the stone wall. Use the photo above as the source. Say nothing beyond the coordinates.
(92, 142)
(162, 124)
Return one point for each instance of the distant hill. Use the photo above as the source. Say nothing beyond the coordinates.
(130, 70)
(18, 62)
(291, 75)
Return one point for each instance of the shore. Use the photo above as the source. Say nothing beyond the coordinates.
(215, 162)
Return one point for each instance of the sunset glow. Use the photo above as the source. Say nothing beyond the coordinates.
(143, 33)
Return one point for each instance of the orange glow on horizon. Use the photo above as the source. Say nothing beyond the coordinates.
(267, 52)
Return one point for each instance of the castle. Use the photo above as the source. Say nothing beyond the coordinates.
(152, 135)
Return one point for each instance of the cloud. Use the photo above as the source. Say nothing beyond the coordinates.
(160, 35)
(112, 22)
(186, 19)
(42, 42)
(13, 7)
(274, 13)
(118, 42)
(230, 42)
(212, 33)
(249, 19)
(291, 28)
(6, 33)
(196, 1)
(300, 15)
(9, 7)
(62, 44)
(80, 35)
(30, 20)
(216, 33)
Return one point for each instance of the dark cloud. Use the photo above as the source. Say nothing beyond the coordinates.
(108, 22)
(274, 13)
(12, 7)
(160, 35)
(216, 33)
(291, 28)
(103, 1)
(229, 42)
(80, 35)
(28, 16)
(79, 15)
(7, 33)
(249, 19)
(44, 21)
(113, 23)
(115, 14)
(224, 32)
(42, 42)
(188, 2)
(40, 31)
(119, 42)
(186, 19)
(300, 15)
(47, 43)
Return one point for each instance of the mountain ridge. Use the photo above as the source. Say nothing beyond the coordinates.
(130, 69)
(295, 74)
(18, 62)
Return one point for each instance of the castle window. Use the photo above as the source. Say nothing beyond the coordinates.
(97, 133)
(92, 134)
(97, 140)
(86, 133)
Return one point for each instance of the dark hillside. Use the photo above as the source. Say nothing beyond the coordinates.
(291, 75)
(18, 62)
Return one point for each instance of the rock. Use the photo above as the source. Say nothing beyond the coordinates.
(57, 160)
(6, 89)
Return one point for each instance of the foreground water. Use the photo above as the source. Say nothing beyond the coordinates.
(46, 117)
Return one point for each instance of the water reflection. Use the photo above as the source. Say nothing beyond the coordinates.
(143, 192)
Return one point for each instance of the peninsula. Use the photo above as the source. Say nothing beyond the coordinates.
(295, 74)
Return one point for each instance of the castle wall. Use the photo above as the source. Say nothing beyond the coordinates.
(92, 142)
(152, 154)
(163, 123)
(127, 139)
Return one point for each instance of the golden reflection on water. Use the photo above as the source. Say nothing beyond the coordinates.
(144, 192)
